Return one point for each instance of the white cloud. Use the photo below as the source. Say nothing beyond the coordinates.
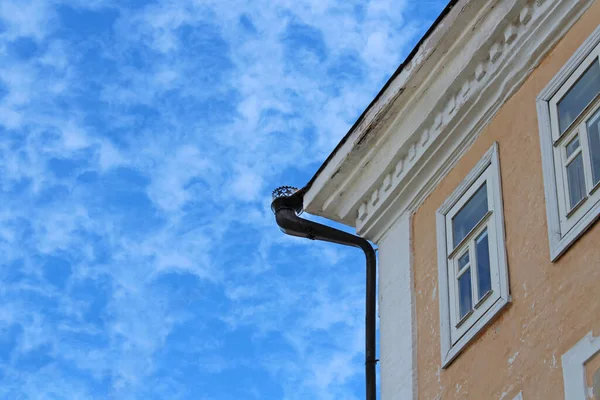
(142, 159)
(26, 18)
(247, 185)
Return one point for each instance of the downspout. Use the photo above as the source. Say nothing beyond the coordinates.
(287, 205)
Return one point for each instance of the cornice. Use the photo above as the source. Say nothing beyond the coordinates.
(347, 162)
(504, 49)
(482, 70)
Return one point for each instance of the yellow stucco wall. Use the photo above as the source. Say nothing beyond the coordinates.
(553, 304)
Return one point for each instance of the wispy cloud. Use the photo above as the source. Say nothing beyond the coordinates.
(139, 142)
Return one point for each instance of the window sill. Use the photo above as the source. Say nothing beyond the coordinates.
(464, 340)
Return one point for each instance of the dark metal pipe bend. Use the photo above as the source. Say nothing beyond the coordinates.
(286, 209)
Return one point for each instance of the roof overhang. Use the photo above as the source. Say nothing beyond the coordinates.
(473, 58)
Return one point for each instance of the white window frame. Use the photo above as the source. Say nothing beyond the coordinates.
(573, 366)
(455, 334)
(566, 224)
(519, 396)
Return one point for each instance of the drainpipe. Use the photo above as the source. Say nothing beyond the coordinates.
(287, 205)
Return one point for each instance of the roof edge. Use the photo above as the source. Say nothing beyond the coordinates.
(377, 97)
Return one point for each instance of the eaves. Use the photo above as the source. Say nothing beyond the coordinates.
(400, 86)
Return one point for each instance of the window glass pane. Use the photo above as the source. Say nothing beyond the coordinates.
(463, 261)
(573, 146)
(593, 127)
(579, 96)
(464, 293)
(576, 180)
(484, 280)
(470, 215)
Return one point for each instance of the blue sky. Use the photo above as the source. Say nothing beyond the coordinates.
(139, 143)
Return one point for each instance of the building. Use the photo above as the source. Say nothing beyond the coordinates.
(475, 171)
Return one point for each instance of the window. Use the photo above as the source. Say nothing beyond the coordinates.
(569, 118)
(472, 266)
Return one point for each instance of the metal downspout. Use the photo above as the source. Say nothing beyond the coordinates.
(287, 205)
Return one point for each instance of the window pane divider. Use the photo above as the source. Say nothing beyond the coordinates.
(462, 271)
(594, 188)
(573, 156)
(483, 298)
(466, 317)
(576, 206)
(470, 235)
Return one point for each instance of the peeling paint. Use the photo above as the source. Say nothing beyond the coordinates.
(458, 387)
(531, 329)
(513, 358)
(506, 392)
(512, 350)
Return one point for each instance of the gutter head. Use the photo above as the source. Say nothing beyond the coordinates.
(288, 197)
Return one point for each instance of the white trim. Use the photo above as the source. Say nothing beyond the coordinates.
(561, 236)
(397, 323)
(454, 339)
(549, 22)
(411, 139)
(338, 172)
(519, 396)
(443, 288)
(582, 52)
(462, 188)
(566, 86)
(573, 365)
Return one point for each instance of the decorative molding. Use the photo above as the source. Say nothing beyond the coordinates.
(375, 197)
(525, 15)
(387, 182)
(507, 49)
(352, 159)
(473, 83)
(510, 34)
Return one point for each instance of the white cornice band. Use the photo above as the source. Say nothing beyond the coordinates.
(496, 57)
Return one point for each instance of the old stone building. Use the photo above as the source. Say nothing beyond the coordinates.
(475, 170)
